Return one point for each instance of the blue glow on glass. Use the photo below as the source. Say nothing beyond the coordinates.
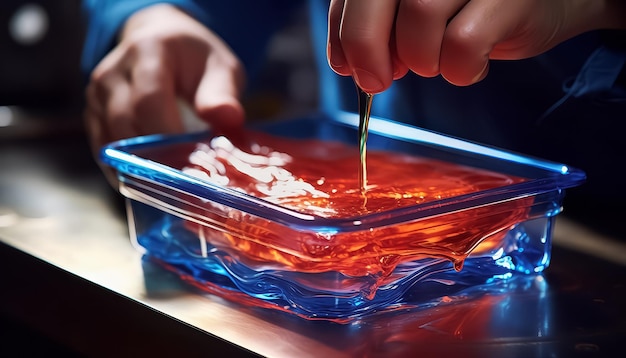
(414, 134)
(164, 233)
(498, 254)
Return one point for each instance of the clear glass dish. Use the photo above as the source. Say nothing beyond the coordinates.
(260, 251)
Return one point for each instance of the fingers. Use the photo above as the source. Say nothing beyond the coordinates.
(364, 41)
(119, 112)
(471, 37)
(420, 29)
(216, 99)
(154, 105)
(400, 69)
(97, 130)
(108, 104)
(456, 38)
(132, 95)
(377, 43)
(334, 52)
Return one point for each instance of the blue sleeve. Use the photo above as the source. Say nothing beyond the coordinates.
(245, 25)
(106, 17)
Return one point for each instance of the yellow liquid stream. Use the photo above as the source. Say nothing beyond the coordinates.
(365, 108)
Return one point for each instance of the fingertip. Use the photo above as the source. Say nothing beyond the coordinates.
(225, 114)
(337, 60)
(216, 98)
(466, 79)
(225, 119)
(334, 53)
(399, 69)
(482, 74)
(469, 41)
(368, 81)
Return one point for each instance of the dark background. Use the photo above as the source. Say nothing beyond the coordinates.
(41, 84)
(41, 102)
(40, 80)
(41, 99)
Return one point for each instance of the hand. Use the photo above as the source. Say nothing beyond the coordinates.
(163, 55)
(377, 41)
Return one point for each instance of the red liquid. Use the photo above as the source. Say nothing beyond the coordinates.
(321, 178)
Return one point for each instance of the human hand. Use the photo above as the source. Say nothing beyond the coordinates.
(163, 55)
(379, 41)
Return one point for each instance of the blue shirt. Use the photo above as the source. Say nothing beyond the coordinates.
(566, 105)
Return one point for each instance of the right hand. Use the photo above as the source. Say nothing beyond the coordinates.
(378, 41)
(163, 55)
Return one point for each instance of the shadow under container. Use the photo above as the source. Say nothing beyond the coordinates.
(419, 255)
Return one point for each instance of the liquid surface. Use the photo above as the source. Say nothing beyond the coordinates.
(320, 178)
(323, 178)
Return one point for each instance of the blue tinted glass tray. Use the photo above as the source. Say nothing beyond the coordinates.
(162, 200)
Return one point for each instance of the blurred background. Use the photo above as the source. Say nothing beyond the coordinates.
(43, 147)
(40, 81)
(41, 86)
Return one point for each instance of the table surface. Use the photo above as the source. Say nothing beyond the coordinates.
(72, 274)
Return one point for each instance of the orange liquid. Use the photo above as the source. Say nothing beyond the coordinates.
(322, 179)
